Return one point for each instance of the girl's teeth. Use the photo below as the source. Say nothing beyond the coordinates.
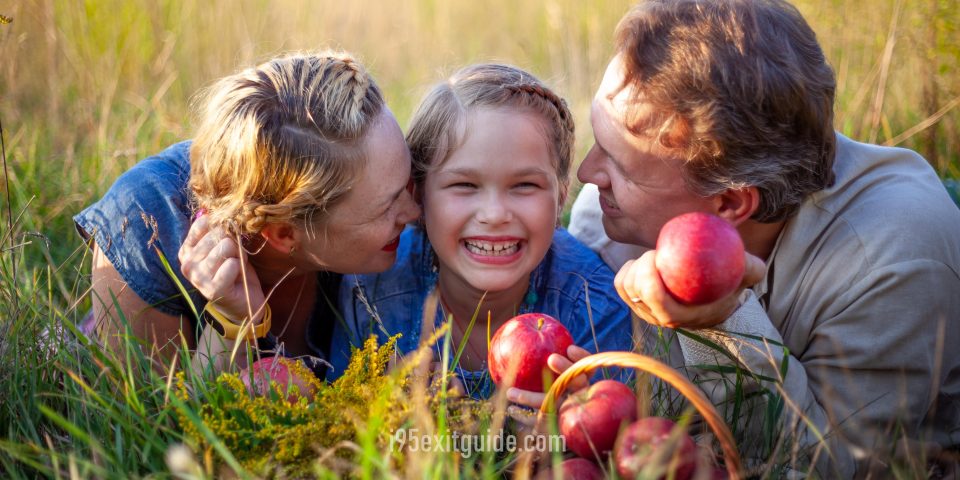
(493, 248)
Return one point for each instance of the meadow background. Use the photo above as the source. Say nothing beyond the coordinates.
(87, 88)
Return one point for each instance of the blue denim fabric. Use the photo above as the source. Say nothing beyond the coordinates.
(149, 209)
(560, 287)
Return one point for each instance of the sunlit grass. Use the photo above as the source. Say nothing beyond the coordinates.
(87, 88)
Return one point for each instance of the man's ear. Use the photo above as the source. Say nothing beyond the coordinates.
(281, 237)
(737, 205)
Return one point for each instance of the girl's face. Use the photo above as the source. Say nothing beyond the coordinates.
(362, 232)
(490, 210)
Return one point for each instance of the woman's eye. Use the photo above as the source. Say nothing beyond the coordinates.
(527, 185)
(462, 185)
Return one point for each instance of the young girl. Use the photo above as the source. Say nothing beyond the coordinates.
(491, 154)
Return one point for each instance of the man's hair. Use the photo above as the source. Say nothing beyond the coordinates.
(741, 90)
(282, 141)
(438, 126)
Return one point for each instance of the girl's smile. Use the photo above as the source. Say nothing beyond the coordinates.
(490, 208)
(494, 250)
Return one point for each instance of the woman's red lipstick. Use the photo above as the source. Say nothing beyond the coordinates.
(392, 246)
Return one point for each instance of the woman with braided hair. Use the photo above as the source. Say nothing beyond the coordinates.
(491, 151)
(298, 173)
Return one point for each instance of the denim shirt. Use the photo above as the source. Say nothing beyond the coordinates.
(148, 211)
(567, 280)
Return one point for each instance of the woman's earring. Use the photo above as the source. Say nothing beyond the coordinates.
(292, 249)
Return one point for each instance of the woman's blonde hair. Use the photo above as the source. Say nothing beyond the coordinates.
(438, 126)
(282, 141)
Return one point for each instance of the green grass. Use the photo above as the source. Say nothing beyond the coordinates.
(89, 87)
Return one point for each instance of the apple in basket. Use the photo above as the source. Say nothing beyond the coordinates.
(591, 418)
(700, 258)
(653, 446)
(285, 372)
(520, 348)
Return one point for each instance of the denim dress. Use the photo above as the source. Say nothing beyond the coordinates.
(571, 284)
(145, 215)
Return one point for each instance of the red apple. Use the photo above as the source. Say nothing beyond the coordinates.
(282, 371)
(700, 258)
(591, 418)
(522, 345)
(574, 469)
(651, 442)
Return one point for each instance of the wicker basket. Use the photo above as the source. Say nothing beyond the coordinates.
(664, 372)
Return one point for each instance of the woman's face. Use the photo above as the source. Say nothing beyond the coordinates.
(362, 232)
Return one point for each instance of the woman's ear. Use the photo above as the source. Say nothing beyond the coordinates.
(281, 237)
(738, 205)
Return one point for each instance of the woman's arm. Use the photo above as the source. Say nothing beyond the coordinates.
(160, 330)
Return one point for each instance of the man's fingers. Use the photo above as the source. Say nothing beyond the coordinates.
(618, 279)
(629, 295)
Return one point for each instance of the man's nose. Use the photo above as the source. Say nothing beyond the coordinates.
(590, 171)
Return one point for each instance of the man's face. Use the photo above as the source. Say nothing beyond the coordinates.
(640, 182)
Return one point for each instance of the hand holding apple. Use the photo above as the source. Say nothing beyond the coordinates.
(558, 364)
(642, 285)
(520, 348)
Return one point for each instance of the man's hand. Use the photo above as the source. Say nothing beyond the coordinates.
(639, 285)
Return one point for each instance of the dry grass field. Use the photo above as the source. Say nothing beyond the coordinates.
(88, 87)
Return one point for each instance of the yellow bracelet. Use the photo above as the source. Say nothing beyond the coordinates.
(232, 331)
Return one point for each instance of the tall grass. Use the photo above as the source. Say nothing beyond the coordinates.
(89, 87)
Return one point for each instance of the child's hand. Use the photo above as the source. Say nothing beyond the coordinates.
(212, 260)
(558, 364)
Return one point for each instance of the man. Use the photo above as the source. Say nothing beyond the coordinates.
(726, 107)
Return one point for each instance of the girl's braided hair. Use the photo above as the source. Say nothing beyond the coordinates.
(438, 125)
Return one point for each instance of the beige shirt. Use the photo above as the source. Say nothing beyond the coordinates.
(863, 288)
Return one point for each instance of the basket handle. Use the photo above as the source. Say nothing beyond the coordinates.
(664, 372)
